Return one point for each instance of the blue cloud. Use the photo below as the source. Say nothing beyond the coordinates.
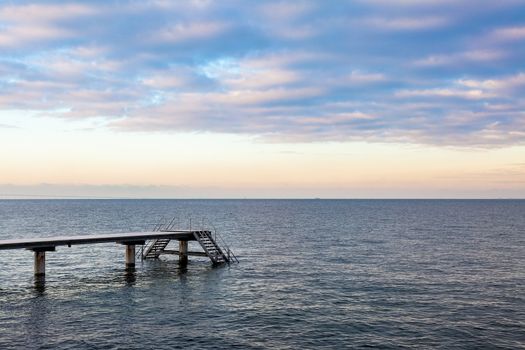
(447, 72)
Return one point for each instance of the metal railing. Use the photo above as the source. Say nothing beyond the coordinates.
(170, 224)
(221, 243)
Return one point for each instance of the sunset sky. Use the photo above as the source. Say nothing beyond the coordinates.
(262, 99)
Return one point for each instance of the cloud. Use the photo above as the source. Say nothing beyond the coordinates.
(456, 93)
(21, 35)
(189, 31)
(286, 11)
(335, 119)
(407, 23)
(462, 58)
(287, 20)
(357, 77)
(508, 33)
(441, 72)
(38, 13)
(25, 24)
(504, 84)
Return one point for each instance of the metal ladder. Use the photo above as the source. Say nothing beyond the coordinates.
(216, 253)
(213, 244)
(154, 248)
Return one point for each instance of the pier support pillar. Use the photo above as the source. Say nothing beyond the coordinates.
(40, 259)
(130, 252)
(183, 252)
(40, 263)
(130, 256)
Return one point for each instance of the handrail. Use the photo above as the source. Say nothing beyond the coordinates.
(222, 243)
(167, 225)
(171, 223)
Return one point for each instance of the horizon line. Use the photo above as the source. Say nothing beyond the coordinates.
(45, 197)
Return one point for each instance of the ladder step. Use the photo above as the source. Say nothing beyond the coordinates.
(155, 247)
(210, 246)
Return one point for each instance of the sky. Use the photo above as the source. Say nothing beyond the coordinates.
(262, 99)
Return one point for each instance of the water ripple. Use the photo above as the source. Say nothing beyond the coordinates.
(313, 274)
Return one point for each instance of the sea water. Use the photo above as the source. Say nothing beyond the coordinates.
(313, 274)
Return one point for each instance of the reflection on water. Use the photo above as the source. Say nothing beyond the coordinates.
(37, 322)
(313, 274)
(40, 285)
(130, 277)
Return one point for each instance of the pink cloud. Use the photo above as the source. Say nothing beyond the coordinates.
(44, 13)
(25, 34)
(508, 33)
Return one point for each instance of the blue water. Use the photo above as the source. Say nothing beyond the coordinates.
(313, 274)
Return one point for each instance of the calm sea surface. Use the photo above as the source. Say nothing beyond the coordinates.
(313, 274)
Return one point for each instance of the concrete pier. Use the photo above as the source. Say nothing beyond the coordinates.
(40, 259)
(39, 246)
(158, 239)
(40, 263)
(130, 256)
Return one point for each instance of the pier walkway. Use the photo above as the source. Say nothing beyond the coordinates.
(153, 244)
